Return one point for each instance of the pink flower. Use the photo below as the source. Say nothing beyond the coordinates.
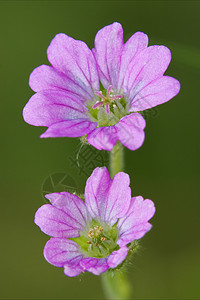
(100, 93)
(97, 234)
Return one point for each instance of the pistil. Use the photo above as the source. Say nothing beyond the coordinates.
(107, 100)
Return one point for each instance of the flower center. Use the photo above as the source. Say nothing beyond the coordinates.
(96, 236)
(108, 107)
(108, 100)
(98, 240)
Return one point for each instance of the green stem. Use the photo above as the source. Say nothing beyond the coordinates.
(115, 283)
(116, 159)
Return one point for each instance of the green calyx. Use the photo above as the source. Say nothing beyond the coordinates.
(118, 108)
(98, 239)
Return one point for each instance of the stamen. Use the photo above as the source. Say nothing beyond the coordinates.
(116, 97)
(100, 241)
(96, 105)
(97, 233)
(99, 93)
(91, 233)
(107, 108)
(106, 101)
(109, 90)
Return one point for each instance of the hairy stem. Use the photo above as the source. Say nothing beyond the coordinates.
(116, 285)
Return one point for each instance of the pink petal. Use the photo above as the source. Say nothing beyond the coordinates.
(148, 65)
(53, 106)
(48, 78)
(118, 198)
(117, 257)
(130, 131)
(156, 92)
(70, 128)
(96, 192)
(137, 42)
(75, 60)
(94, 265)
(59, 252)
(136, 234)
(71, 204)
(56, 222)
(103, 138)
(73, 270)
(135, 224)
(108, 47)
(105, 198)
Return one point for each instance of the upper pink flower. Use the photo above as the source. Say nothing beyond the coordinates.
(99, 93)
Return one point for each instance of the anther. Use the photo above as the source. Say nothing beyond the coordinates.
(99, 93)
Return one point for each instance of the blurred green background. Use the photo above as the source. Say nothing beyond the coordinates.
(165, 169)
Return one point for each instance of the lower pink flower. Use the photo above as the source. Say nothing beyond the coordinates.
(97, 234)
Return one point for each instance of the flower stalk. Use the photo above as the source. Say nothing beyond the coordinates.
(116, 159)
(115, 282)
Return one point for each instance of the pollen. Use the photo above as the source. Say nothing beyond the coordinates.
(97, 238)
(96, 232)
